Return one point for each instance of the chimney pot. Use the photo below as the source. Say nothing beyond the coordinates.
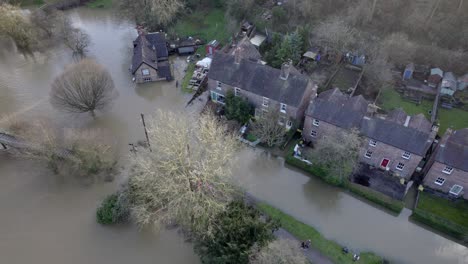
(237, 55)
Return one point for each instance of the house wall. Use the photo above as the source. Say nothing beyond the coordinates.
(457, 176)
(382, 150)
(293, 113)
(323, 129)
(140, 78)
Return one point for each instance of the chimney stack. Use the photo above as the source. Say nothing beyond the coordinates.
(285, 69)
(237, 55)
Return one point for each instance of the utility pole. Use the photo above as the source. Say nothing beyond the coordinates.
(146, 131)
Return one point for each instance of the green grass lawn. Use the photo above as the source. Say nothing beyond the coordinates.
(99, 4)
(455, 212)
(28, 2)
(302, 231)
(206, 24)
(447, 118)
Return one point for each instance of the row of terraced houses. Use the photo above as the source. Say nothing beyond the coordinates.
(397, 143)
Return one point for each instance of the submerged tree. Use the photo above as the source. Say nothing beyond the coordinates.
(14, 25)
(152, 13)
(77, 40)
(83, 87)
(186, 178)
(280, 251)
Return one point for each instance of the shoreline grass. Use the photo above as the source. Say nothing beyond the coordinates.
(443, 215)
(99, 4)
(301, 231)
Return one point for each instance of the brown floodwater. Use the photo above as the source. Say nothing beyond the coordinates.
(45, 219)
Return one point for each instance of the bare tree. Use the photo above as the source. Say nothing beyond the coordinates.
(14, 25)
(83, 87)
(280, 251)
(337, 152)
(186, 179)
(269, 129)
(153, 13)
(336, 33)
(77, 40)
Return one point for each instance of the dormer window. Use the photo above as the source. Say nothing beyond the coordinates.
(447, 170)
(316, 122)
(283, 108)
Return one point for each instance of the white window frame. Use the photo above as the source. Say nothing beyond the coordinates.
(406, 155)
(448, 170)
(264, 112)
(237, 91)
(282, 120)
(147, 79)
(265, 102)
(283, 108)
(316, 122)
(400, 166)
(145, 72)
(217, 95)
(368, 154)
(219, 85)
(313, 133)
(439, 181)
(372, 142)
(289, 124)
(456, 185)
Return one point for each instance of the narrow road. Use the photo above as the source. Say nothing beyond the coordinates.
(311, 253)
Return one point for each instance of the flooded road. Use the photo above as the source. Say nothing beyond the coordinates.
(49, 220)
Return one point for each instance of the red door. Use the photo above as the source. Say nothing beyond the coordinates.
(384, 163)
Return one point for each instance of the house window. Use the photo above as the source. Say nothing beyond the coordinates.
(447, 170)
(216, 97)
(264, 113)
(281, 120)
(219, 85)
(400, 166)
(145, 72)
(373, 142)
(283, 108)
(439, 181)
(368, 154)
(313, 133)
(406, 155)
(147, 79)
(265, 102)
(237, 91)
(316, 122)
(289, 124)
(456, 189)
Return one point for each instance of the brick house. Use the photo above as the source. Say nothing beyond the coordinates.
(150, 60)
(333, 110)
(396, 143)
(266, 88)
(448, 167)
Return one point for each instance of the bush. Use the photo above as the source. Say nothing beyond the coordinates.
(112, 210)
(251, 137)
(238, 108)
(376, 197)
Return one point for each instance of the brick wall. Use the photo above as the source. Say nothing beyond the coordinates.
(382, 150)
(140, 78)
(456, 177)
(324, 128)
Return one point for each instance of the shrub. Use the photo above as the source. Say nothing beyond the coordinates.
(113, 209)
(251, 137)
(238, 108)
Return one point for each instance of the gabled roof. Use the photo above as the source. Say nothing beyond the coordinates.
(248, 50)
(149, 49)
(415, 137)
(336, 108)
(453, 150)
(259, 79)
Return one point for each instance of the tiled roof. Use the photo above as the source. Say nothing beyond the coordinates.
(454, 151)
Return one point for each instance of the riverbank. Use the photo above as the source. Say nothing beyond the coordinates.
(302, 232)
(362, 191)
(448, 217)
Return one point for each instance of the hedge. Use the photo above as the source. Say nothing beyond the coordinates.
(441, 224)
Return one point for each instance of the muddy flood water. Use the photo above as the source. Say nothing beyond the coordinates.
(45, 219)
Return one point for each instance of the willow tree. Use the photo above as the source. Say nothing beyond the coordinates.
(14, 25)
(84, 87)
(185, 179)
